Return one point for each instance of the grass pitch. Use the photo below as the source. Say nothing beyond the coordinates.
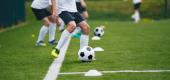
(128, 46)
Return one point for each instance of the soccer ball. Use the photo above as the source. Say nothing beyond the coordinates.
(99, 31)
(86, 54)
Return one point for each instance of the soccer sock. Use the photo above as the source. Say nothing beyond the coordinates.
(77, 30)
(137, 16)
(84, 39)
(42, 33)
(136, 12)
(52, 30)
(63, 39)
(61, 27)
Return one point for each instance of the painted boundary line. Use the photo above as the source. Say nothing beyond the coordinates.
(54, 69)
(118, 71)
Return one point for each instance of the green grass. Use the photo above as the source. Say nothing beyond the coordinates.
(20, 59)
(143, 46)
(127, 46)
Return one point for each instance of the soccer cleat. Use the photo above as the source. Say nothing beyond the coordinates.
(53, 42)
(55, 53)
(40, 43)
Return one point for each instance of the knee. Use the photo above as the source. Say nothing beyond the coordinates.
(71, 26)
(46, 22)
(85, 27)
(53, 19)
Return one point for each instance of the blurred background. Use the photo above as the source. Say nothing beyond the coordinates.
(18, 11)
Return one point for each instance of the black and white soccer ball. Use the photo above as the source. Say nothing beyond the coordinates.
(86, 54)
(99, 31)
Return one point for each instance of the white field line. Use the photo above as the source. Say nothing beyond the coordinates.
(54, 69)
(118, 71)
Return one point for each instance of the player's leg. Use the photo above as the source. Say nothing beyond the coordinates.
(66, 34)
(136, 15)
(43, 32)
(64, 38)
(52, 31)
(84, 39)
(42, 14)
(69, 20)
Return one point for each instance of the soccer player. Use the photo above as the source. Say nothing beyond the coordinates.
(136, 15)
(71, 17)
(48, 19)
(82, 9)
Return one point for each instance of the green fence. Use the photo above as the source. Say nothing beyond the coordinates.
(11, 12)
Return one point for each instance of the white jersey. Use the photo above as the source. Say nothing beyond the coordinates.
(40, 4)
(67, 5)
(137, 1)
